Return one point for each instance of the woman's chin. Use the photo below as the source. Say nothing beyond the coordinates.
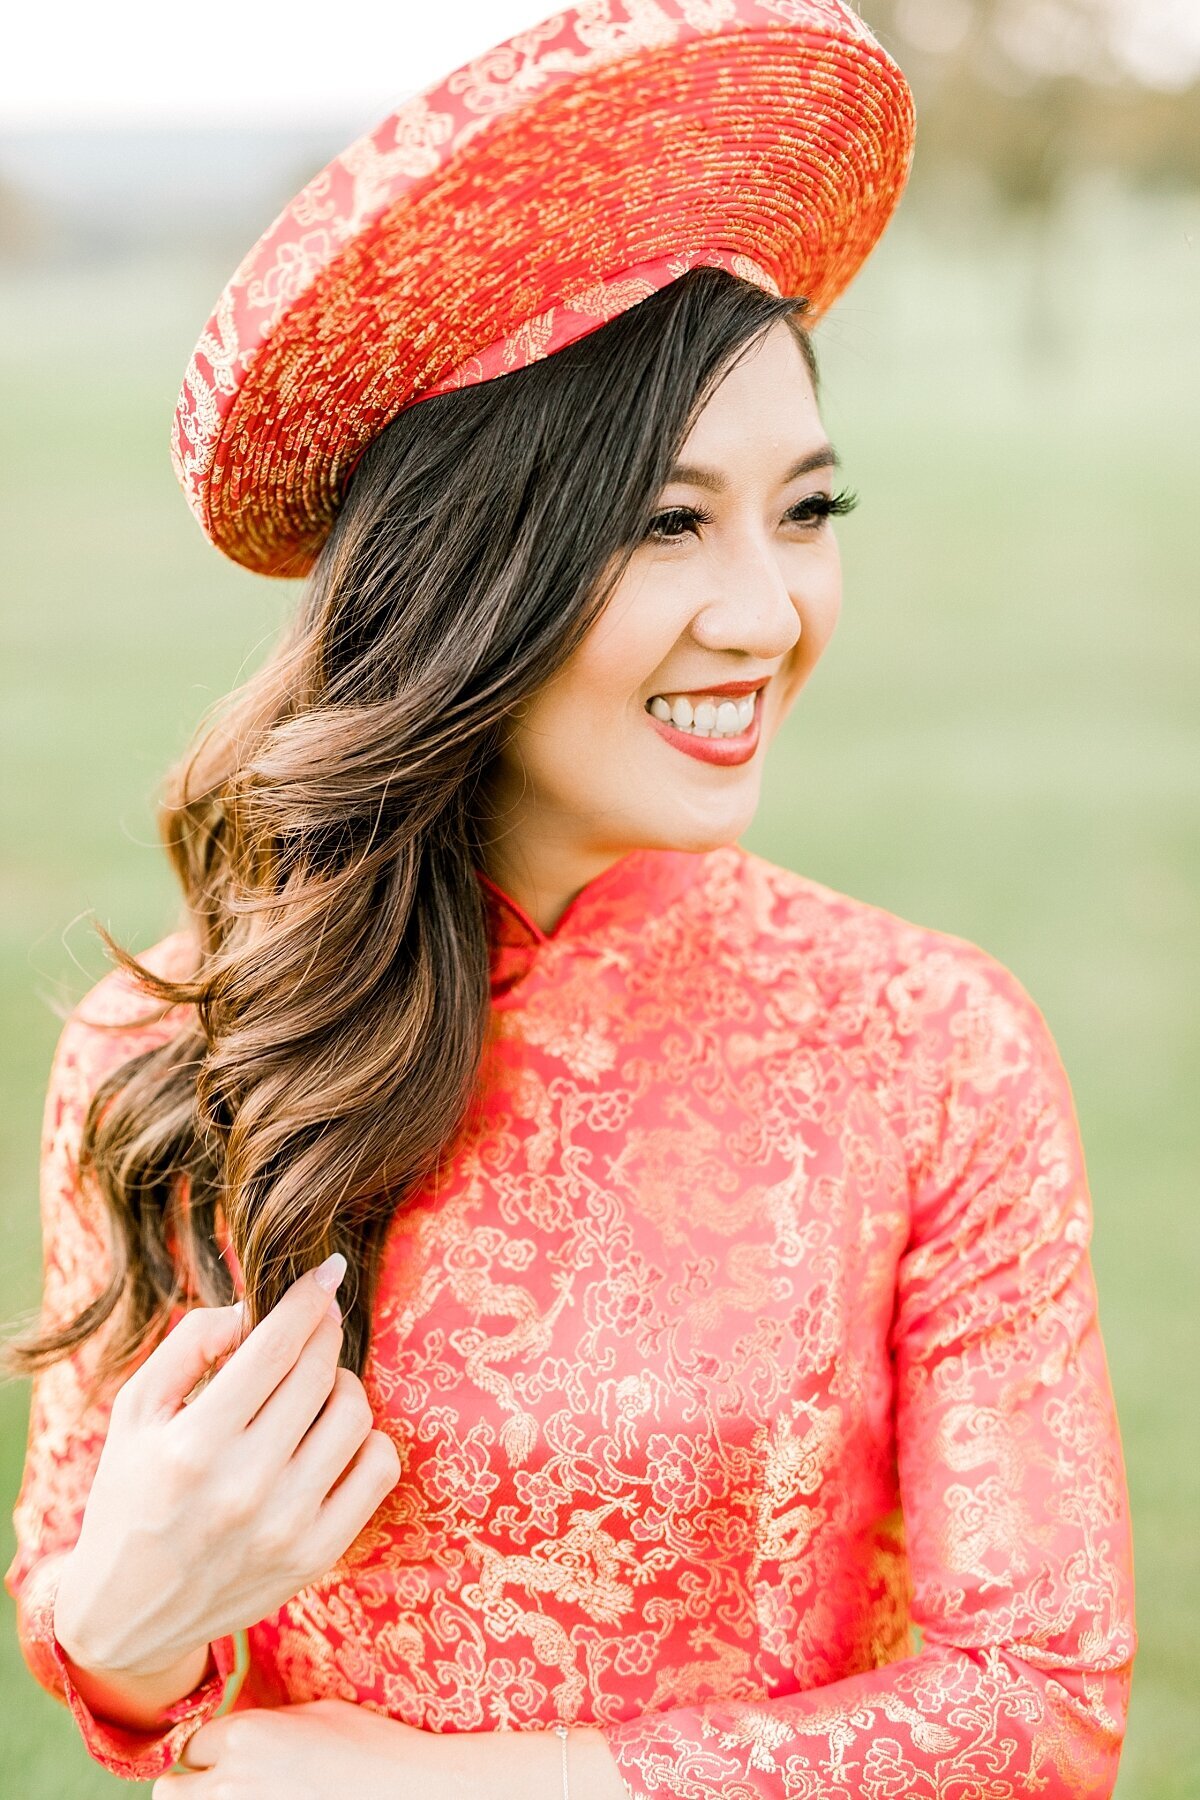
(708, 830)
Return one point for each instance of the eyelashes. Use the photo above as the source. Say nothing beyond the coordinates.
(811, 512)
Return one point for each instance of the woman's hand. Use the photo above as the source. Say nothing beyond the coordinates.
(319, 1751)
(206, 1516)
(326, 1749)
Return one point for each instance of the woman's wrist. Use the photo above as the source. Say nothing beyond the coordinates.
(135, 1698)
(531, 1764)
(138, 1701)
(592, 1773)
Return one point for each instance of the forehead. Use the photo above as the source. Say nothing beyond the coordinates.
(765, 400)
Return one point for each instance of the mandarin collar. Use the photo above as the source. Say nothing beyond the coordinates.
(638, 885)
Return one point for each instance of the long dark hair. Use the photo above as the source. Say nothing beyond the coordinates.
(328, 824)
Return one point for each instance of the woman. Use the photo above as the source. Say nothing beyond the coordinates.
(715, 1377)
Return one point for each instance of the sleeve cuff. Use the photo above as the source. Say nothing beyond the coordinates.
(126, 1751)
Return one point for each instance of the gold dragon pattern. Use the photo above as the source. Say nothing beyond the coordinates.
(742, 1359)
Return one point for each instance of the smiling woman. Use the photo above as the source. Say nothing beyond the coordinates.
(716, 1379)
(736, 602)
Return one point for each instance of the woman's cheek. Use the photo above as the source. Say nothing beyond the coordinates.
(820, 607)
(819, 613)
(832, 594)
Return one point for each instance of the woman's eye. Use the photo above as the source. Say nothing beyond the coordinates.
(669, 526)
(814, 509)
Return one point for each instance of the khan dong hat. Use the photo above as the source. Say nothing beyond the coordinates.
(535, 193)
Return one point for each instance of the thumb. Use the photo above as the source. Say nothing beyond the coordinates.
(186, 1356)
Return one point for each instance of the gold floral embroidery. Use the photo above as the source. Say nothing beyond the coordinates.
(750, 1325)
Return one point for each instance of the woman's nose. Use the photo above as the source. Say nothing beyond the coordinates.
(753, 611)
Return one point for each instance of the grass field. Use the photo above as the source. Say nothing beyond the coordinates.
(1002, 742)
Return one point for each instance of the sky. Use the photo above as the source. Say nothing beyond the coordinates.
(236, 62)
(88, 63)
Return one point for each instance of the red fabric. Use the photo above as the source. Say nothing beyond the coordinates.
(750, 1327)
(65, 1438)
(137, 1755)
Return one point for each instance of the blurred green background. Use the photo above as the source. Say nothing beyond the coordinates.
(1002, 741)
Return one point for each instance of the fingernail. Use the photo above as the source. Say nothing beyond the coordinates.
(331, 1271)
(335, 1312)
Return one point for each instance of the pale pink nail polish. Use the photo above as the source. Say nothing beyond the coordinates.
(331, 1271)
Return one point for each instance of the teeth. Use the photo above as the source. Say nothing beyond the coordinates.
(711, 716)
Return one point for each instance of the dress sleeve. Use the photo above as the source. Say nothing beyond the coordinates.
(65, 1436)
(1009, 1464)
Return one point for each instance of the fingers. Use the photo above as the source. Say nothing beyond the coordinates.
(327, 1447)
(370, 1478)
(247, 1381)
(163, 1382)
(185, 1781)
(203, 1748)
(274, 1433)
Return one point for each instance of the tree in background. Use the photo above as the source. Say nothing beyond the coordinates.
(1028, 97)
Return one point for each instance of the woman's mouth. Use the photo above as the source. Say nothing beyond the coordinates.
(721, 726)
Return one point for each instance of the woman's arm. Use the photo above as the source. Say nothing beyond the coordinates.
(1011, 1477)
(138, 1700)
(135, 1729)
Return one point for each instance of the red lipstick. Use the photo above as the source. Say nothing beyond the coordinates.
(736, 690)
(726, 752)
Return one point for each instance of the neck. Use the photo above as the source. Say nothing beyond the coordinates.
(543, 877)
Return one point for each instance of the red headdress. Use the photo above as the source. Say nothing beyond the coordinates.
(531, 196)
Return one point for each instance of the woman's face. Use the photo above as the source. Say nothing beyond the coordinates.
(653, 735)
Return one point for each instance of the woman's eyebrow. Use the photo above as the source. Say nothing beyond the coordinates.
(824, 458)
